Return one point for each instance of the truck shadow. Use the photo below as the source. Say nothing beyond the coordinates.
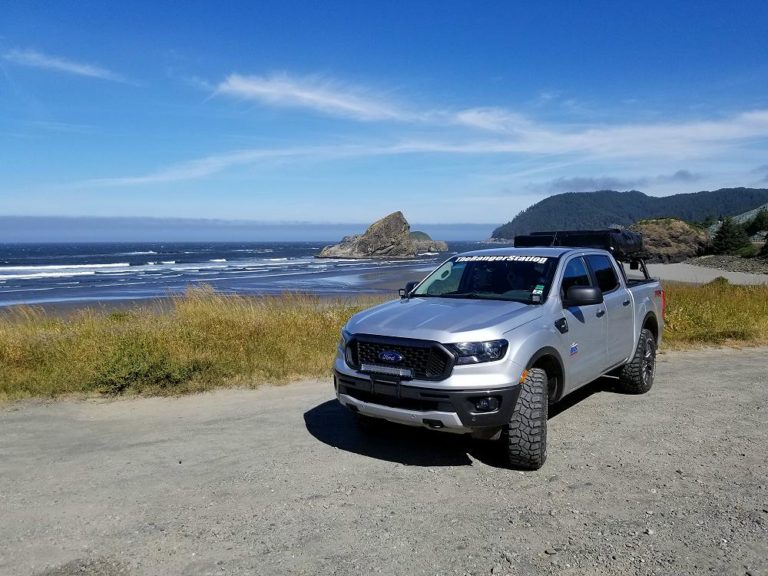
(335, 426)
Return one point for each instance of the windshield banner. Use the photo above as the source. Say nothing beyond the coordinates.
(537, 259)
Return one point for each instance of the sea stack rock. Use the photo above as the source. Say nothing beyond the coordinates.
(390, 237)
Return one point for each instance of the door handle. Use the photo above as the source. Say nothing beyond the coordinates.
(626, 302)
(600, 313)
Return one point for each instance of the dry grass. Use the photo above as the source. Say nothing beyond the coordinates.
(717, 313)
(205, 340)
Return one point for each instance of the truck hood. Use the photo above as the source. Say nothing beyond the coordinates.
(444, 319)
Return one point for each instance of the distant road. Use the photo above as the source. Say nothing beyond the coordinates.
(698, 274)
(280, 481)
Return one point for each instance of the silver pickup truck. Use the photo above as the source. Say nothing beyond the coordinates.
(490, 339)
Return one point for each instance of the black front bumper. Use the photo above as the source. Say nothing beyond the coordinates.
(395, 394)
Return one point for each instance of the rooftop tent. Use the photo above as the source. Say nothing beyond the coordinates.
(622, 243)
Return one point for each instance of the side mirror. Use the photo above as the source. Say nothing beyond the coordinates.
(583, 296)
(405, 292)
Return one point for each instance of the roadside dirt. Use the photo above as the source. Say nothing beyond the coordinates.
(280, 481)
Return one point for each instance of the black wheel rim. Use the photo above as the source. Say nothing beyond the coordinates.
(649, 361)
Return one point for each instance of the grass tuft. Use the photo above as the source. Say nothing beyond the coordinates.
(206, 340)
(716, 313)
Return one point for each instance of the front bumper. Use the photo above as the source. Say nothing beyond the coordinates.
(437, 408)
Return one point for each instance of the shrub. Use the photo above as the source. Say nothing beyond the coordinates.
(730, 238)
(758, 224)
(749, 251)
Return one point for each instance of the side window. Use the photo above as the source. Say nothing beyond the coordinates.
(575, 275)
(604, 272)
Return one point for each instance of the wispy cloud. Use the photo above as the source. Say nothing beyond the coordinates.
(313, 93)
(34, 59)
(630, 140)
(680, 176)
(590, 184)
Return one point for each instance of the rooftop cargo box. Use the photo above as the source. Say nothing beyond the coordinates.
(622, 243)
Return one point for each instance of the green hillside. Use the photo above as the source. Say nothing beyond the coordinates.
(585, 210)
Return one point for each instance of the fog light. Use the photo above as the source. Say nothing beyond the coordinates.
(488, 404)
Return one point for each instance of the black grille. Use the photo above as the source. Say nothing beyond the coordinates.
(393, 395)
(428, 360)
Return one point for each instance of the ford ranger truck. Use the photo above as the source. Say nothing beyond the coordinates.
(492, 338)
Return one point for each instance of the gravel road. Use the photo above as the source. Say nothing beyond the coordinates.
(280, 481)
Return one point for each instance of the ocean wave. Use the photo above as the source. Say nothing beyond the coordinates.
(40, 275)
(217, 260)
(60, 267)
(141, 253)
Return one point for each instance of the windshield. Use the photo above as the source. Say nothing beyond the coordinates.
(519, 278)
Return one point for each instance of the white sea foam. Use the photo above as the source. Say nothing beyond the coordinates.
(44, 275)
(60, 267)
(144, 253)
(217, 260)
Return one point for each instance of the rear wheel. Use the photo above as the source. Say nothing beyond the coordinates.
(525, 437)
(636, 377)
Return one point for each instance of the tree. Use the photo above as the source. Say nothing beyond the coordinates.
(730, 238)
(759, 223)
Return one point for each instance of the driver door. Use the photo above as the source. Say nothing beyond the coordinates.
(583, 344)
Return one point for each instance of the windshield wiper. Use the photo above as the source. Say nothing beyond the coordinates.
(461, 295)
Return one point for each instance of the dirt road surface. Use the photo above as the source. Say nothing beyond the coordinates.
(280, 481)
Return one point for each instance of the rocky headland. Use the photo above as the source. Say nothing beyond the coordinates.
(390, 237)
(669, 240)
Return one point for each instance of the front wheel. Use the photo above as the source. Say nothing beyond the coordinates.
(525, 437)
(636, 376)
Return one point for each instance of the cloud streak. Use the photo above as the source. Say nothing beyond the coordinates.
(34, 59)
(314, 93)
(591, 184)
(477, 131)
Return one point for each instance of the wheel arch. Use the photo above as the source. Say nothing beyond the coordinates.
(651, 323)
(549, 360)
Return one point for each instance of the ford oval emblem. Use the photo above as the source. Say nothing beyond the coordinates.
(390, 357)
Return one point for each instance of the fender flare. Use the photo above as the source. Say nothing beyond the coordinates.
(650, 315)
(549, 351)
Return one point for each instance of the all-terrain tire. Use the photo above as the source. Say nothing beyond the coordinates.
(636, 376)
(525, 437)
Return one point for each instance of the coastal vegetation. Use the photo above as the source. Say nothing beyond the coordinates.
(586, 210)
(203, 340)
(730, 238)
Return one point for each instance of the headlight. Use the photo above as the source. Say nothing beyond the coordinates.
(476, 352)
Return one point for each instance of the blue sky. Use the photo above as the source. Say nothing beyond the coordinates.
(336, 112)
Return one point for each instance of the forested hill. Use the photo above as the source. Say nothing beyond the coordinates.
(586, 210)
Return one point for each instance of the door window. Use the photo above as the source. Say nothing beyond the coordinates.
(575, 274)
(604, 272)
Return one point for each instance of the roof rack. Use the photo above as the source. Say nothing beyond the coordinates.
(623, 244)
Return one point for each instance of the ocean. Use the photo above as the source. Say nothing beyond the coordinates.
(101, 272)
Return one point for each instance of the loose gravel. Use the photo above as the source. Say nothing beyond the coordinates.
(280, 481)
(732, 263)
